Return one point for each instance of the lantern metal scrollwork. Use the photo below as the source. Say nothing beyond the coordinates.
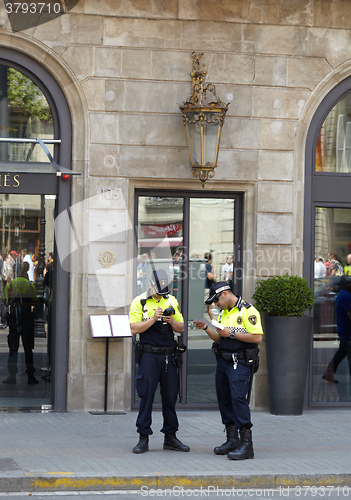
(203, 122)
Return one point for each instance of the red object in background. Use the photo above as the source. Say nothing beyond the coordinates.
(66, 177)
(162, 230)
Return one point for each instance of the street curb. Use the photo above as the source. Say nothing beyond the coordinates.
(155, 482)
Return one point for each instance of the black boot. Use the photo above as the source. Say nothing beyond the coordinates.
(171, 442)
(143, 444)
(231, 443)
(245, 448)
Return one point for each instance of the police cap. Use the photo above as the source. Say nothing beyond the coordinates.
(215, 290)
(159, 282)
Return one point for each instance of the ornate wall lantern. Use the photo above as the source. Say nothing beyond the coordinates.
(203, 122)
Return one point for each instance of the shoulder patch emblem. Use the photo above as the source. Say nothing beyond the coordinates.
(239, 320)
(253, 320)
(245, 304)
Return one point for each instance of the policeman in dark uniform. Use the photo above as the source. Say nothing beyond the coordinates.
(236, 352)
(155, 315)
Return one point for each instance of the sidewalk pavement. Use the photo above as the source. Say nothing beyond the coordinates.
(80, 451)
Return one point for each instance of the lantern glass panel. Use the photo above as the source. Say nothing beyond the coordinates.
(194, 132)
(210, 140)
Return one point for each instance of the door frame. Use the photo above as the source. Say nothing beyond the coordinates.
(322, 189)
(35, 184)
(238, 259)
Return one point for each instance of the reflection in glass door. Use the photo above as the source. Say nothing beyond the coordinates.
(211, 243)
(175, 233)
(27, 244)
(331, 355)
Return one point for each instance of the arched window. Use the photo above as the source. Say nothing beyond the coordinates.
(327, 241)
(32, 193)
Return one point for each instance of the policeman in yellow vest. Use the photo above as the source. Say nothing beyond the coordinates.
(347, 268)
(20, 296)
(236, 352)
(155, 315)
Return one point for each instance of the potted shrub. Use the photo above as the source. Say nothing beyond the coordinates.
(284, 300)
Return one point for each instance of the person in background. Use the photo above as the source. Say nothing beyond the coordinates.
(347, 268)
(209, 281)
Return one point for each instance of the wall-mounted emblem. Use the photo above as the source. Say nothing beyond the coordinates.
(107, 258)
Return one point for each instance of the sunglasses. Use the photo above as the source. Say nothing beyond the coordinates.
(216, 299)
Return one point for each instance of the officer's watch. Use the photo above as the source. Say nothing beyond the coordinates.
(232, 332)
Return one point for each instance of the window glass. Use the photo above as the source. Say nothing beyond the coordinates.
(24, 113)
(332, 326)
(333, 150)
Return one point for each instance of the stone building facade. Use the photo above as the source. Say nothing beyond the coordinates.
(124, 69)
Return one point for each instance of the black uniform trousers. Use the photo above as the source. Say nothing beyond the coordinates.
(152, 370)
(232, 387)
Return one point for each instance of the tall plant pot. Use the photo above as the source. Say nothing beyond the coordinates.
(288, 341)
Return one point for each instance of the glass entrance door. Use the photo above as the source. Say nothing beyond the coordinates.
(27, 290)
(332, 333)
(194, 238)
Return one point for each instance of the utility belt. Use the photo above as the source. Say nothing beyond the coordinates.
(249, 355)
(158, 349)
(176, 349)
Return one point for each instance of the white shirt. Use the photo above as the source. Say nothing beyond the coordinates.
(31, 267)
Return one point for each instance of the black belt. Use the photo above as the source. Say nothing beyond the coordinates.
(228, 355)
(154, 349)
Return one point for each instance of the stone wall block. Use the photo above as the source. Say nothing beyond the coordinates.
(149, 162)
(266, 70)
(275, 165)
(116, 357)
(55, 34)
(241, 133)
(136, 64)
(278, 134)
(142, 33)
(75, 392)
(275, 260)
(298, 12)
(86, 29)
(119, 267)
(274, 229)
(103, 160)
(277, 103)
(209, 36)
(94, 386)
(231, 68)
(144, 129)
(148, 97)
(107, 225)
(80, 59)
(94, 90)
(239, 99)
(108, 62)
(107, 292)
(114, 95)
(103, 128)
(166, 9)
(236, 165)
(107, 193)
(275, 197)
(332, 14)
(171, 65)
(265, 38)
(280, 71)
(240, 11)
(306, 72)
(334, 45)
(95, 356)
